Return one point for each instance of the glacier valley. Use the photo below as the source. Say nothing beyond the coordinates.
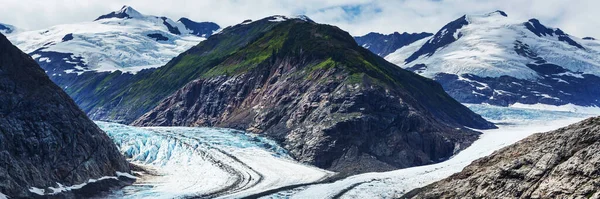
(186, 162)
(182, 162)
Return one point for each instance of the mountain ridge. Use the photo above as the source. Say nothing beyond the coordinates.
(497, 60)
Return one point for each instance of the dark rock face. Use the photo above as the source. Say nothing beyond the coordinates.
(171, 28)
(122, 14)
(383, 45)
(199, 28)
(158, 37)
(67, 37)
(44, 137)
(540, 30)
(442, 38)
(330, 102)
(559, 164)
(589, 38)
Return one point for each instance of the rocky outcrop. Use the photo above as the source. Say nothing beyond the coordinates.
(559, 164)
(330, 102)
(45, 138)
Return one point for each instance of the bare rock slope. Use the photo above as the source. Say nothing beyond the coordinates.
(561, 164)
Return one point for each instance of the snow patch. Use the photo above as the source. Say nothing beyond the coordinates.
(127, 175)
(60, 188)
(280, 18)
(37, 191)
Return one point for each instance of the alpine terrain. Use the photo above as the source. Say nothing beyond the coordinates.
(496, 60)
(311, 87)
(48, 146)
(85, 58)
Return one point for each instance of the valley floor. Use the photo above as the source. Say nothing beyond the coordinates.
(216, 162)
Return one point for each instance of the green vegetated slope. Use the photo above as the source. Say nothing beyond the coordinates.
(330, 102)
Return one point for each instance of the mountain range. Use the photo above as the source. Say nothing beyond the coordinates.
(307, 85)
(348, 104)
(496, 60)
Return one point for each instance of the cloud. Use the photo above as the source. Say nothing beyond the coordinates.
(577, 17)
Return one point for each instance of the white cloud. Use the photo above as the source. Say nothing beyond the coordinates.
(577, 17)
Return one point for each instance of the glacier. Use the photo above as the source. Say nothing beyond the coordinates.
(205, 162)
(224, 163)
(514, 124)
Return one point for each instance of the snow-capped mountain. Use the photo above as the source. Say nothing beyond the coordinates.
(123, 40)
(383, 45)
(494, 59)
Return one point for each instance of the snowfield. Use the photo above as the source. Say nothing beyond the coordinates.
(215, 162)
(110, 44)
(486, 48)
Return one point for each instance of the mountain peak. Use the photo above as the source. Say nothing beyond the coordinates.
(129, 11)
(126, 12)
(497, 12)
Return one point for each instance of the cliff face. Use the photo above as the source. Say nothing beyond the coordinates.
(330, 102)
(45, 138)
(558, 164)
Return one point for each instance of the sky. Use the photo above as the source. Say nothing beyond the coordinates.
(358, 17)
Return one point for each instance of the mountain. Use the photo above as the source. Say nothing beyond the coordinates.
(123, 40)
(87, 59)
(311, 87)
(494, 59)
(47, 144)
(383, 45)
(557, 164)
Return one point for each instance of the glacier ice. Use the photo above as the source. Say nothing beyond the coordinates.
(187, 161)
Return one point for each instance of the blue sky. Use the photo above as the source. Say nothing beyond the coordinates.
(576, 17)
